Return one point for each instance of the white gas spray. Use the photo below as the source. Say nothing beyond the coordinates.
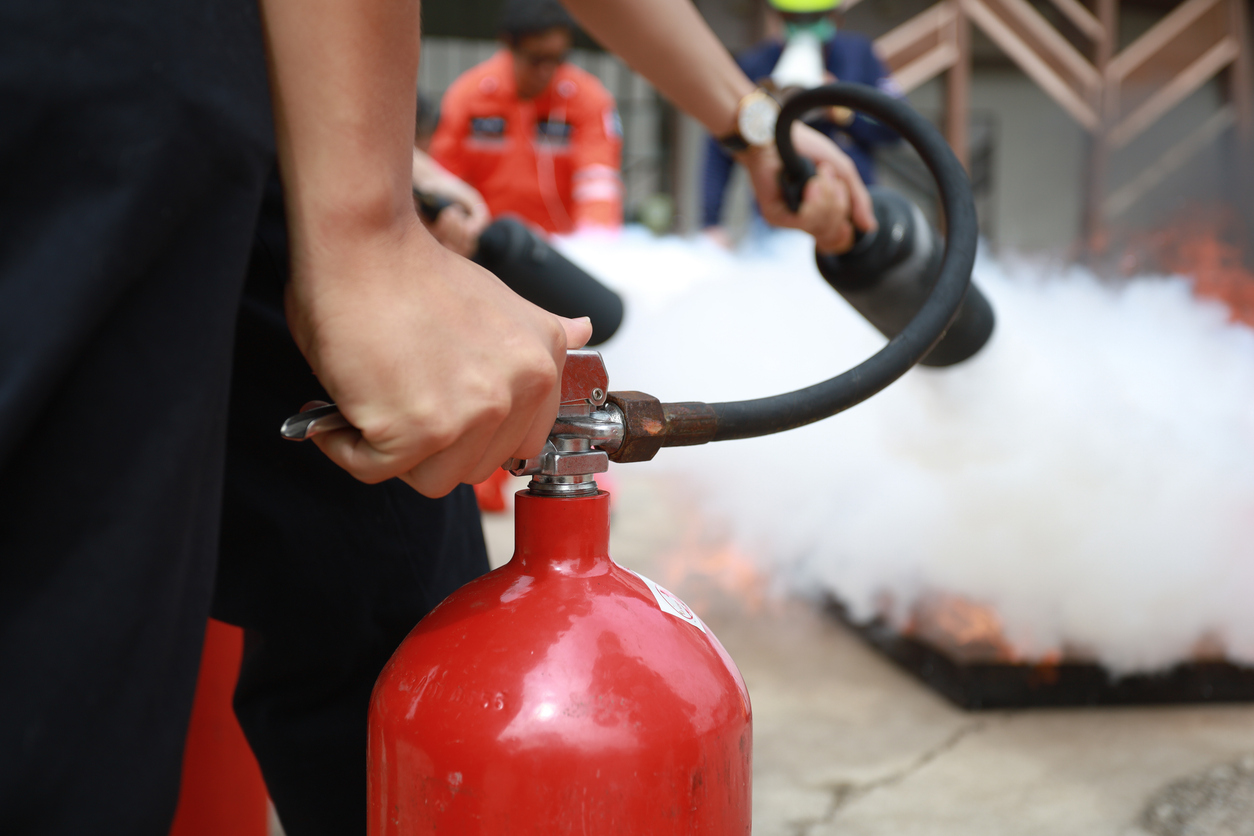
(801, 62)
(1090, 474)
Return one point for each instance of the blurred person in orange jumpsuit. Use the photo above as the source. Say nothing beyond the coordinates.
(537, 136)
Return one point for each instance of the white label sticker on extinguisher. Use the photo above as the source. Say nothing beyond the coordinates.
(669, 602)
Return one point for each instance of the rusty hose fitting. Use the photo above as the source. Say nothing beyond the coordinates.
(649, 425)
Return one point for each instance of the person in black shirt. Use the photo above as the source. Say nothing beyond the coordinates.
(136, 147)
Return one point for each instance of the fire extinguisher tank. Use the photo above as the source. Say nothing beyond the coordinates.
(563, 693)
(560, 693)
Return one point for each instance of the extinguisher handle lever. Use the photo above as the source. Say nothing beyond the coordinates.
(320, 419)
(585, 385)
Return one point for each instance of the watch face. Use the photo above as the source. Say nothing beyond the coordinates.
(756, 119)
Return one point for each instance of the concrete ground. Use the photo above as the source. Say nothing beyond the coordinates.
(846, 743)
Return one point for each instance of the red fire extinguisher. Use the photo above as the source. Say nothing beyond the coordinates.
(563, 693)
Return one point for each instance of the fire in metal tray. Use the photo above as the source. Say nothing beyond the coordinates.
(1081, 493)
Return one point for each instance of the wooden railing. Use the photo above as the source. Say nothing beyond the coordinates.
(1042, 53)
(1115, 96)
(1183, 51)
(933, 42)
(923, 47)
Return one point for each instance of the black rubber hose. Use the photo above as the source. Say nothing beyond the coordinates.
(543, 276)
(537, 272)
(747, 419)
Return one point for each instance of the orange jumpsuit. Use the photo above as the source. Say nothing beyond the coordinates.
(553, 160)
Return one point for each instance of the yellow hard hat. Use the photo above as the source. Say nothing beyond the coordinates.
(804, 6)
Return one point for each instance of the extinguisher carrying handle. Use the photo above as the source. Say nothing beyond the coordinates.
(315, 421)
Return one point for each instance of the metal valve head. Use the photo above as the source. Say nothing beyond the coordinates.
(584, 379)
(568, 463)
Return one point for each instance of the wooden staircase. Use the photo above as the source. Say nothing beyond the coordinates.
(1114, 94)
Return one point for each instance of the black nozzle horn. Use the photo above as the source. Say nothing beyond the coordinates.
(746, 419)
(890, 272)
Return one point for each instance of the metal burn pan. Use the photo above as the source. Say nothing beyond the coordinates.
(972, 680)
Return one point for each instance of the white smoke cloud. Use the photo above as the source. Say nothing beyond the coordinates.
(1090, 473)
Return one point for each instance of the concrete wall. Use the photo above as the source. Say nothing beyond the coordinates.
(1039, 154)
(1031, 200)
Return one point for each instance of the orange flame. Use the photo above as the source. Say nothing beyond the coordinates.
(701, 565)
(961, 628)
(1204, 243)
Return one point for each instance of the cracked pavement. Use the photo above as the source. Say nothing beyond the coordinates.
(846, 744)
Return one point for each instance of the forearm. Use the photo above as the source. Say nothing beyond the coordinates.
(343, 75)
(442, 372)
(670, 44)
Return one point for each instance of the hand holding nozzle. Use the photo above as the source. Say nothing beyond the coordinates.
(393, 345)
(522, 259)
(818, 191)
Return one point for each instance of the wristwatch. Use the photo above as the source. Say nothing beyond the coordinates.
(755, 122)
